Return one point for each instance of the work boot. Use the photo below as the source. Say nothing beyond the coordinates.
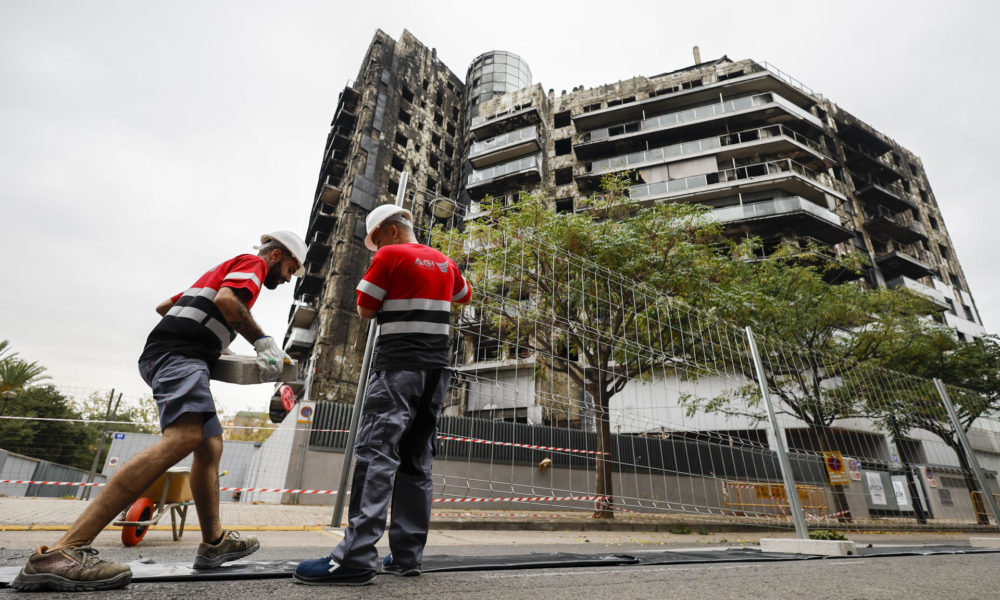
(232, 547)
(70, 569)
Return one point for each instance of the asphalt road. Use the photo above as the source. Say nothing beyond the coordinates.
(973, 576)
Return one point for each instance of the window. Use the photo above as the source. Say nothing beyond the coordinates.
(435, 140)
(944, 251)
(407, 94)
(425, 84)
(449, 150)
(404, 116)
(592, 107)
(933, 222)
(401, 140)
(564, 205)
(433, 161)
(432, 184)
(561, 119)
(439, 98)
(438, 118)
(447, 173)
(393, 187)
(564, 176)
(564, 146)
(451, 129)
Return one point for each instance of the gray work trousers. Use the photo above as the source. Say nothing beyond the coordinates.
(395, 452)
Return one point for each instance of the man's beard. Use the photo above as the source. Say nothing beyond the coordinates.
(272, 281)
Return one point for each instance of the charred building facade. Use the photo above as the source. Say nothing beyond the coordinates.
(770, 157)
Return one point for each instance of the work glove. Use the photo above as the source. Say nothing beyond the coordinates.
(270, 358)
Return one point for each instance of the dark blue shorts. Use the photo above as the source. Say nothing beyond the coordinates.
(181, 385)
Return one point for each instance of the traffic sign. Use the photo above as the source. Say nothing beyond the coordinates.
(835, 468)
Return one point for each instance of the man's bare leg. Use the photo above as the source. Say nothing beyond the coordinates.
(205, 487)
(132, 478)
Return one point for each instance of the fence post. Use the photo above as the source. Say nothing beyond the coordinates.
(960, 433)
(85, 494)
(801, 531)
(359, 397)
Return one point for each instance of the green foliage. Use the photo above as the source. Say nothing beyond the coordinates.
(60, 442)
(679, 529)
(826, 534)
(139, 416)
(15, 372)
(814, 334)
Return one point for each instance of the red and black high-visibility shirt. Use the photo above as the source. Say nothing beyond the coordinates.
(194, 325)
(412, 287)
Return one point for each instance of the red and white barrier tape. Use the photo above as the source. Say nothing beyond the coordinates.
(516, 445)
(327, 492)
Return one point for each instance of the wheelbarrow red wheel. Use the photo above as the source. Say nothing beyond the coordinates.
(141, 510)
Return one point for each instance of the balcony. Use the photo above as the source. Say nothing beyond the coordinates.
(773, 139)
(935, 296)
(862, 160)
(759, 78)
(653, 129)
(505, 147)
(779, 215)
(318, 252)
(903, 229)
(329, 194)
(785, 174)
(856, 133)
(880, 193)
(520, 171)
(484, 127)
(321, 222)
(308, 285)
(300, 341)
(905, 263)
(301, 315)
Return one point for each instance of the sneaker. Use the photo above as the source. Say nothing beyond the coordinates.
(70, 569)
(389, 566)
(327, 571)
(232, 547)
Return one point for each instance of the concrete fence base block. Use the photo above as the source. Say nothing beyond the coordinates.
(242, 370)
(984, 542)
(821, 547)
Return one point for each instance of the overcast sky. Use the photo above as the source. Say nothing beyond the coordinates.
(141, 143)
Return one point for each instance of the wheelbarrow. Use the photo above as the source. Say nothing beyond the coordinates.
(171, 492)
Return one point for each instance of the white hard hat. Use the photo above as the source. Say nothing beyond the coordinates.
(293, 244)
(381, 213)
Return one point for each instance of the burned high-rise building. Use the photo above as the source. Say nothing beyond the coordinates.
(770, 157)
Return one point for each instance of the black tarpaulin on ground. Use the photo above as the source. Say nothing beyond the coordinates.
(148, 571)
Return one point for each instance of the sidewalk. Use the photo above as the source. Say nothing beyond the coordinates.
(33, 514)
(38, 514)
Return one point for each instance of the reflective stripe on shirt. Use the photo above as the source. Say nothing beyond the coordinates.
(367, 287)
(414, 327)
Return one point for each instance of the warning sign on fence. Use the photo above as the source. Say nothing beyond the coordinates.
(836, 471)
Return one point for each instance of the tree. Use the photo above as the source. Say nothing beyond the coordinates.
(138, 416)
(57, 441)
(586, 293)
(247, 426)
(971, 369)
(814, 335)
(16, 373)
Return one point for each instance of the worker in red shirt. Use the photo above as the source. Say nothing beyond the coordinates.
(196, 326)
(409, 288)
